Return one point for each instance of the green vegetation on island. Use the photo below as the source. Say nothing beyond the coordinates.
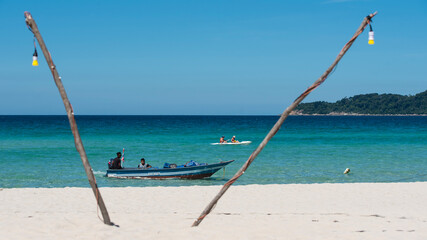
(373, 103)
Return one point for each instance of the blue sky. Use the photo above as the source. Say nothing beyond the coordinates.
(206, 57)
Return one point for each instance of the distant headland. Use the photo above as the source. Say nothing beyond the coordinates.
(368, 104)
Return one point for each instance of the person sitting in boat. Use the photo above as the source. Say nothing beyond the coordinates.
(233, 139)
(222, 140)
(117, 162)
(143, 164)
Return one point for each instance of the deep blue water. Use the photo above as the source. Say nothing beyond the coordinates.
(38, 151)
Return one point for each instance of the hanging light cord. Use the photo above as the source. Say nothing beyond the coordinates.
(34, 39)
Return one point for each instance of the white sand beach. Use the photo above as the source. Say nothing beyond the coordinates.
(295, 211)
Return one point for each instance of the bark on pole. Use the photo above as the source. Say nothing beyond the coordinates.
(77, 140)
(282, 118)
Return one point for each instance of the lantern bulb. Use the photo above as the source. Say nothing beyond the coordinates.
(371, 38)
(35, 62)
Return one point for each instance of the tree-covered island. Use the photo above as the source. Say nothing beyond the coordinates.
(374, 103)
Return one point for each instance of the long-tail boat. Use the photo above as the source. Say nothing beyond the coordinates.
(172, 171)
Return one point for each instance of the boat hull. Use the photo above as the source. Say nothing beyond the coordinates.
(195, 172)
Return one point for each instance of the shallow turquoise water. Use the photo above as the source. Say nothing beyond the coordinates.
(39, 150)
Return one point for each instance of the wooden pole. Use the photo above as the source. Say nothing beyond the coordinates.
(279, 123)
(77, 140)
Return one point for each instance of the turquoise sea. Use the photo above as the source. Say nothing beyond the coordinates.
(38, 151)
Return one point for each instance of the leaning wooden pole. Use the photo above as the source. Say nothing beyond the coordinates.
(77, 140)
(282, 118)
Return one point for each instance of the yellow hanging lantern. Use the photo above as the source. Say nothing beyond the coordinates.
(371, 36)
(35, 62)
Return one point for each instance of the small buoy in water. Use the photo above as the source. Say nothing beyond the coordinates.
(347, 170)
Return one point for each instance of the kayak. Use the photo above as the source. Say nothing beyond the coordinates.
(235, 143)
